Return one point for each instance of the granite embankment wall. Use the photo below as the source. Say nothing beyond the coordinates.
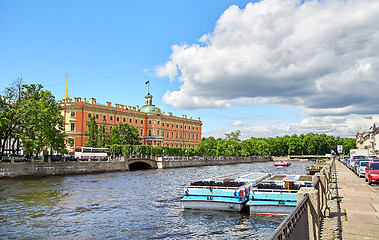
(14, 170)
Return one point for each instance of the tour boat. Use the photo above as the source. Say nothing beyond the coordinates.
(282, 164)
(227, 193)
(277, 195)
(316, 167)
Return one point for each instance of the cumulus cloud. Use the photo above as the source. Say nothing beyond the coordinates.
(238, 123)
(321, 56)
(343, 126)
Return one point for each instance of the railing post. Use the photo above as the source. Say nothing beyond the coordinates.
(313, 210)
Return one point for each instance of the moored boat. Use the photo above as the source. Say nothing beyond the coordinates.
(316, 167)
(277, 195)
(282, 164)
(227, 193)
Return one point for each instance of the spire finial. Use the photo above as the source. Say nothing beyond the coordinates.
(148, 86)
(66, 91)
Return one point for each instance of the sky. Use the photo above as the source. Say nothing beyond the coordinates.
(266, 68)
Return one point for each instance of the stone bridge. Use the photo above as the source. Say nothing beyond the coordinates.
(143, 163)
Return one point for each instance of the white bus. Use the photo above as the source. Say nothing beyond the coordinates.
(91, 154)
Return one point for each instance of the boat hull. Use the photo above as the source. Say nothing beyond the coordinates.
(215, 205)
(271, 209)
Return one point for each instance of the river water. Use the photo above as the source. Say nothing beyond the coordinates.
(127, 205)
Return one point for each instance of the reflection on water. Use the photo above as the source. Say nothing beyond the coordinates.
(126, 205)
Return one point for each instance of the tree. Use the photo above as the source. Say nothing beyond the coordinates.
(103, 135)
(30, 117)
(124, 134)
(92, 133)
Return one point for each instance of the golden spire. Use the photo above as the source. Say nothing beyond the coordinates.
(66, 92)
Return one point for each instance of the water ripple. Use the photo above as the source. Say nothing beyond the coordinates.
(126, 205)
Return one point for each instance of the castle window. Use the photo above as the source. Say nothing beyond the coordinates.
(149, 132)
(124, 119)
(72, 127)
(117, 119)
(72, 114)
(111, 118)
(97, 116)
(149, 122)
(104, 117)
(141, 121)
(141, 132)
(89, 115)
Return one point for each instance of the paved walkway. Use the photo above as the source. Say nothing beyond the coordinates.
(359, 205)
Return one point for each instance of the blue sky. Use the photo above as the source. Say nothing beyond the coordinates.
(267, 69)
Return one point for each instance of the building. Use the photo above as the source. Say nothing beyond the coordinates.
(154, 127)
(368, 140)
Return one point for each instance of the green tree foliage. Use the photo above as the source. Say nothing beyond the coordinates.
(92, 133)
(124, 134)
(308, 144)
(43, 124)
(30, 118)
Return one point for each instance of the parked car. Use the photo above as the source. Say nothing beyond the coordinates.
(361, 168)
(15, 157)
(70, 158)
(372, 172)
(54, 158)
(355, 162)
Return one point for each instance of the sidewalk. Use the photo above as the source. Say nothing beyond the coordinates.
(359, 206)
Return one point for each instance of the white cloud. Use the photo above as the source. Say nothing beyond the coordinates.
(238, 123)
(343, 126)
(322, 56)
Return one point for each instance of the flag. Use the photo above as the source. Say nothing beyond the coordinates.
(147, 81)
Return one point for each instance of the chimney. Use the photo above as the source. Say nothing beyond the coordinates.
(116, 105)
(85, 100)
(137, 108)
(109, 104)
(163, 113)
(92, 100)
(76, 100)
(199, 118)
(170, 114)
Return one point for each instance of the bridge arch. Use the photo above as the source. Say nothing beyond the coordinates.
(139, 164)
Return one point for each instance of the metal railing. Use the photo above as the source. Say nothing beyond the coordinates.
(295, 224)
(304, 221)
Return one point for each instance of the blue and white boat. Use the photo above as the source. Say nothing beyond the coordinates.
(277, 195)
(227, 193)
